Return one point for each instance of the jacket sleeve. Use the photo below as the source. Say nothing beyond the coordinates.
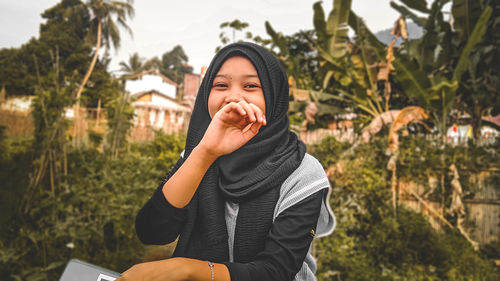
(158, 222)
(286, 246)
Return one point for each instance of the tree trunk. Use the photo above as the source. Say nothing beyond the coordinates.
(85, 80)
(476, 122)
(98, 113)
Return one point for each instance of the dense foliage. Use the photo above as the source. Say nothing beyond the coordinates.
(371, 242)
(62, 33)
(421, 159)
(92, 216)
(63, 37)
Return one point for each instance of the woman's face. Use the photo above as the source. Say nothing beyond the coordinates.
(236, 80)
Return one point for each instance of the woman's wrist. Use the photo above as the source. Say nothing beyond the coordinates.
(205, 153)
(189, 269)
(200, 270)
(184, 269)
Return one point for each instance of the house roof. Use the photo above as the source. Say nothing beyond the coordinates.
(151, 80)
(20, 103)
(493, 119)
(152, 71)
(170, 104)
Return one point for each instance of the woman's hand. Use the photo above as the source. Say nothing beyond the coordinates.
(163, 270)
(231, 127)
(176, 269)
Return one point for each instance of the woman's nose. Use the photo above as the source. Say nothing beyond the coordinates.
(233, 97)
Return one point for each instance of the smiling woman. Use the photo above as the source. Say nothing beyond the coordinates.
(236, 81)
(245, 199)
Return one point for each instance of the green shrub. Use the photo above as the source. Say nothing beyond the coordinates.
(90, 217)
(164, 150)
(371, 241)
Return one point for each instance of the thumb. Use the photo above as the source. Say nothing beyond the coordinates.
(251, 129)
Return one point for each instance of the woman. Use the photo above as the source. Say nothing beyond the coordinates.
(245, 199)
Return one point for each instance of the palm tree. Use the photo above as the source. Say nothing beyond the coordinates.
(104, 30)
(135, 65)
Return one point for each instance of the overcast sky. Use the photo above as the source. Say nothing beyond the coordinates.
(159, 25)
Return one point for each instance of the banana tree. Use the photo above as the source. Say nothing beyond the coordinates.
(349, 73)
(479, 87)
(346, 79)
(427, 72)
(303, 68)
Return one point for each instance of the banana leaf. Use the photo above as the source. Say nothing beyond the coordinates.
(337, 28)
(446, 49)
(319, 23)
(297, 106)
(334, 62)
(327, 78)
(319, 96)
(278, 39)
(413, 80)
(475, 37)
(465, 14)
(362, 62)
(326, 109)
(419, 5)
(429, 42)
(442, 96)
(357, 24)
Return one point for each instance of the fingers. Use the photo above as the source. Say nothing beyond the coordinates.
(251, 111)
(252, 129)
(259, 115)
(255, 114)
(232, 106)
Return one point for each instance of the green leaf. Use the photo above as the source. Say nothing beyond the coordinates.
(415, 82)
(357, 24)
(278, 39)
(322, 96)
(297, 106)
(446, 49)
(319, 23)
(326, 109)
(444, 94)
(419, 5)
(475, 37)
(327, 78)
(336, 28)
(53, 265)
(429, 42)
(334, 64)
(465, 14)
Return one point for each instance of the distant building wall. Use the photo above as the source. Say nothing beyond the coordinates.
(191, 86)
(156, 111)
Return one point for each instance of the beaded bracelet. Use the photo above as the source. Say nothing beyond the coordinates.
(211, 269)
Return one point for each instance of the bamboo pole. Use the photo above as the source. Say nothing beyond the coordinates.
(428, 207)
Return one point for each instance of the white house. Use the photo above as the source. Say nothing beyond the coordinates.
(156, 107)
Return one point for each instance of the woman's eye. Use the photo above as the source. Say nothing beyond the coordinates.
(252, 86)
(220, 85)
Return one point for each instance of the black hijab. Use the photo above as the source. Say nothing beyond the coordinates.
(251, 176)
